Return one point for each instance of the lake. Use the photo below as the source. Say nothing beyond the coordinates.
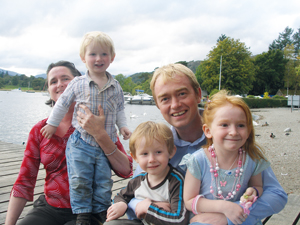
(20, 111)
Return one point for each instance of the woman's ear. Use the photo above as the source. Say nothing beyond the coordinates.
(207, 131)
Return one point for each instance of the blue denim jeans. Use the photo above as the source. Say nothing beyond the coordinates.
(89, 176)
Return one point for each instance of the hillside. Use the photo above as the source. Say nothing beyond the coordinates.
(135, 77)
(193, 65)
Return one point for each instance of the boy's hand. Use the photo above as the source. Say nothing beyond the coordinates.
(116, 210)
(142, 208)
(125, 132)
(48, 130)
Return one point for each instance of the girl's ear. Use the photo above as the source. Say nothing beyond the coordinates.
(207, 131)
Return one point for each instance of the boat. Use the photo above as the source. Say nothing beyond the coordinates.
(127, 96)
(17, 90)
(142, 99)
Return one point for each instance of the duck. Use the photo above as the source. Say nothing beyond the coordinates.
(132, 115)
(272, 135)
(265, 124)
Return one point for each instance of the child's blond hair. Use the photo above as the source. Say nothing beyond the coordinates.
(222, 98)
(96, 37)
(151, 131)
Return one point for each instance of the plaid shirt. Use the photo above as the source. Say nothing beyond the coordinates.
(83, 90)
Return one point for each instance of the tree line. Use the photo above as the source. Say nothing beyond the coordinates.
(22, 81)
(242, 73)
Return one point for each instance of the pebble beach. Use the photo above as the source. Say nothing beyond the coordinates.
(283, 150)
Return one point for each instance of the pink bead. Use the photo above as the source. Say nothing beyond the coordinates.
(211, 191)
(211, 170)
(229, 194)
(216, 175)
(238, 186)
(237, 189)
(236, 175)
(215, 171)
(237, 171)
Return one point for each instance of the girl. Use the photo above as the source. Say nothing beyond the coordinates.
(230, 162)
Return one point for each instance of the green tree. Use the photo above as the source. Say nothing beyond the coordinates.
(290, 73)
(297, 83)
(146, 87)
(128, 85)
(183, 63)
(284, 39)
(1, 82)
(237, 68)
(269, 72)
(15, 80)
(296, 42)
(121, 78)
(38, 83)
(222, 38)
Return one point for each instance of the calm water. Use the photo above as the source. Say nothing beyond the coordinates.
(19, 111)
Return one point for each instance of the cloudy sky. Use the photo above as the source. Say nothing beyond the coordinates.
(146, 33)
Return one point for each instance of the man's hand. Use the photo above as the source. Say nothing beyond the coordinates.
(91, 123)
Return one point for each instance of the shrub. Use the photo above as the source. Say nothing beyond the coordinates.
(265, 103)
(250, 96)
(278, 97)
(214, 91)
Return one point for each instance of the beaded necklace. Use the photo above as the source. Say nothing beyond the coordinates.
(215, 172)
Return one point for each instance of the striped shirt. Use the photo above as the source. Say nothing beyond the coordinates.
(83, 90)
(169, 190)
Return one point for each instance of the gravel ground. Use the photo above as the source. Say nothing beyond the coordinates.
(283, 151)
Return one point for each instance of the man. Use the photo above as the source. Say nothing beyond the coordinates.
(177, 93)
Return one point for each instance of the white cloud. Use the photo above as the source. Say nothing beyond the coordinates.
(146, 34)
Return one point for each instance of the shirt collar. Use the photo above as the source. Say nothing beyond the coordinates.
(111, 80)
(181, 143)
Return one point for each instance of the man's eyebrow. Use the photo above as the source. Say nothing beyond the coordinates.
(176, 90)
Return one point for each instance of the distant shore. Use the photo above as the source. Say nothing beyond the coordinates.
(283, 151)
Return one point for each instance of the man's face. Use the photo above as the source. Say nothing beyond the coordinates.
(177, 101)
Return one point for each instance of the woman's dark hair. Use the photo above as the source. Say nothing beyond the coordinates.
(66, 64)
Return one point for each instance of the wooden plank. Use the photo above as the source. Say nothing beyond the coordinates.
(10, 162)
(288, 214)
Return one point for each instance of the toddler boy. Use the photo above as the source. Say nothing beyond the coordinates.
(152, 146)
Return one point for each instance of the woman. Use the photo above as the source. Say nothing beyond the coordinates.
(54, 208)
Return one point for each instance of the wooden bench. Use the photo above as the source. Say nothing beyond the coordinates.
(11, 156)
